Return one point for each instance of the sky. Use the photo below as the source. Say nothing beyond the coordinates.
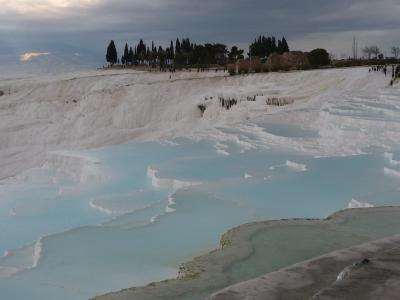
(79, 30)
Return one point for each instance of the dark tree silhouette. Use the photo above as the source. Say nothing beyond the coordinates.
(141, 50)
(171, 50)
(265, 46)
(125, 57)
(235, 54)
(111, 55)
(285, 46)
(130, 55)
(177, 46)
(319, 57)
(184, 53)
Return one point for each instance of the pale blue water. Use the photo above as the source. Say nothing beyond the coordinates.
(87, 251)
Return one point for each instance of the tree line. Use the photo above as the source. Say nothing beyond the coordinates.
(265, 46)
(183, 52)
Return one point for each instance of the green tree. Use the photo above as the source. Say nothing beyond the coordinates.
(125, 58)
(280, 50)
(141, 51)
(111, 55)
(319, 57)
(274, 47)
(235, 54)
(285, 46)
(130, 55)
(171, 50)
(177, 47)
(265, 46)
(161, 56)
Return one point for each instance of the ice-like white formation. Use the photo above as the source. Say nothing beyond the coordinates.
(290, 164)
(171, 202)
(357, 204)
(221, 149)
(91, 109)
(273, 168)
(101, 208)
(117, 205)
(44, 115)
(389, 157)
(154, 218)
(222, 152)
(344, 274)
(37, 252)
(169, 183)
(80, 167)
(296, 166)
(168, 209)
(391, 172)
(34, 251)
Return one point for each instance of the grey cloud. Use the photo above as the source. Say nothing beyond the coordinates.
(229, 21)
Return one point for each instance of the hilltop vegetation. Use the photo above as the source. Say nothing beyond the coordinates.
(265, 54)
(184, 53)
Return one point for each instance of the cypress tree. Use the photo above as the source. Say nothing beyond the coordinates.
(126, 54)
(264, 46)
(269, 46)
(135, 55)
(274, 47)
(111, 55)
(184, 52)
(147, 54)
(153, 53)
(161, 56)
(177, 47)
(280, 50)
(141, 51)
(171, 49)
(130, 55)
(285, 46)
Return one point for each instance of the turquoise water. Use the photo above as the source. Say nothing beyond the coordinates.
(126, 230)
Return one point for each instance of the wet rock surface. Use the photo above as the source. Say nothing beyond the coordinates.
(368, 271)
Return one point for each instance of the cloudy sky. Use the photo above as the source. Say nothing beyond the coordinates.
(82, 28)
